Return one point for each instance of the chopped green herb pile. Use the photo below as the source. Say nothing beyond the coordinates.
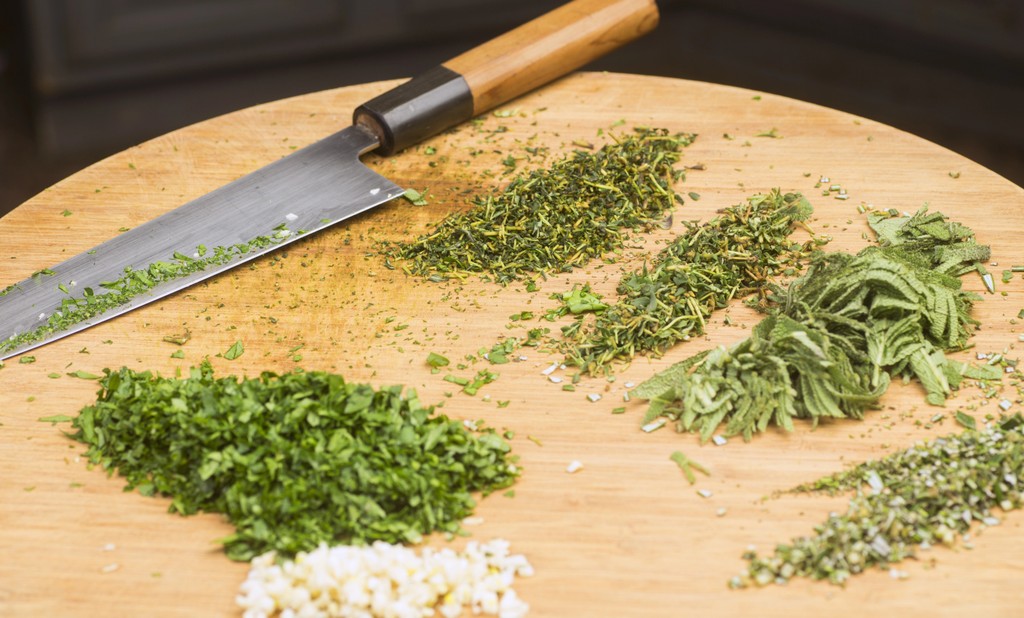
(837, 334)
(708, 265)
(293, 460)
(557, 219)
(75, 309)
(929, 494)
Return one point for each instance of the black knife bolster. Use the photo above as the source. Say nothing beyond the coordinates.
(420, 108)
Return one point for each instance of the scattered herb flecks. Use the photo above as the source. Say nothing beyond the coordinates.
(179, 339)
(418, 198)
(236, 350)
(834, 338)
(293, 460)
(704, 268)
(84, 375)
(501, 352)
(471, 386)
(929, 494)
(687, 466)
(577, 301)
(56, 418)
(436, 360)
(557, 219)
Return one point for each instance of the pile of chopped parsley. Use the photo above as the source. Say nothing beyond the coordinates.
(556, 219)
(292, 460)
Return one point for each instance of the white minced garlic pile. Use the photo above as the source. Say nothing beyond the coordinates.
(386, 581)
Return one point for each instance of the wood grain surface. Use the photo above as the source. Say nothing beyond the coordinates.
(626, 535)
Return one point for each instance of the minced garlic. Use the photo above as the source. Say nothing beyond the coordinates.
(386, 581)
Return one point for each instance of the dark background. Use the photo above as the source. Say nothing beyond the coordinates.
(81, 79)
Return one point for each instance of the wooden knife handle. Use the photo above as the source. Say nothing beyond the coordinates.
(503, 68)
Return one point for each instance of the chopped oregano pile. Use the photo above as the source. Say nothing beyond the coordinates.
(135, 282)
(706, 266)
(292, 460)
(927, 495)
(557, 219)
(835, 337)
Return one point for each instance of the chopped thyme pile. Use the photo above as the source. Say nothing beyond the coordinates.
(293, 460)
(557, 219)
(734, 254)
(829, 347)
(929, 494)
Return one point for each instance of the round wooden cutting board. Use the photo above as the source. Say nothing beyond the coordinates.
(624, 536)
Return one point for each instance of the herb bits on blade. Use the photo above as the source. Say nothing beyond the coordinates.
(293, 460)
(557, 219)
(132, 284)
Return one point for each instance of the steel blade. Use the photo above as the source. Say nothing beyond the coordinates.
(307, 191)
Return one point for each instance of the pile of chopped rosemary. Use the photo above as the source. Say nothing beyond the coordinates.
(837, 334)
(926, 495)
(293, 460)
(708, 265)
(557, 219)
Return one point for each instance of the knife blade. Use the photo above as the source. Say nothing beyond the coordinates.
(312, 188)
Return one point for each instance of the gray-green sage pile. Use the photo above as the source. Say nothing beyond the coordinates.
(837, 335)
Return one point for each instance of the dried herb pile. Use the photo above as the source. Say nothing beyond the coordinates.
(734, 254)
(293, 460)
(837, 335)
(927, 495)
(556, 219)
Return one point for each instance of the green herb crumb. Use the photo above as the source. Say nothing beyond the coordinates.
(236, 350)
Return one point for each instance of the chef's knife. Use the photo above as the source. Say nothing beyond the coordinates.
(312, 188)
